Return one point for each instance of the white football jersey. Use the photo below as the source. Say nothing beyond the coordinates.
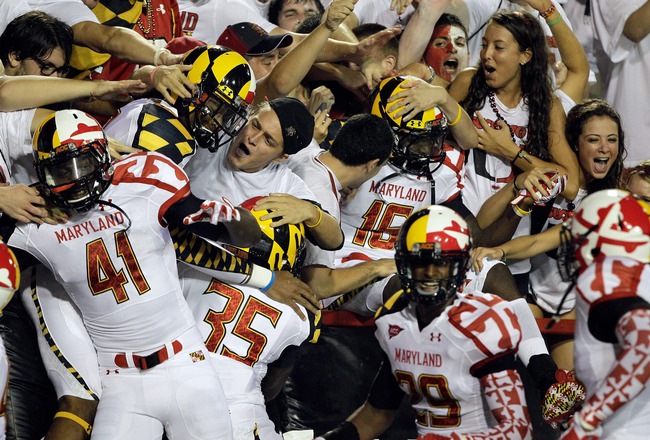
(433, 365)
(605, 280)
(119, 267)
(245, 331)
(371, 220)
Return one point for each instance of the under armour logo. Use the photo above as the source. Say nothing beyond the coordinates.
(436, 336)
(112, 371)
(290, 131)
(161, 9)
(101, 207)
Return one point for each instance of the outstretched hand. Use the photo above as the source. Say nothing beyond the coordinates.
(376, 40)
(116, 90)
(294, 293)
(287, 209)
(171, 79)
(417, 97)
(214, 212)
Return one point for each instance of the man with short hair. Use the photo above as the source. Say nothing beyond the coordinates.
(360, 149)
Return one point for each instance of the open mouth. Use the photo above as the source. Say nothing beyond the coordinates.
(488, 69)
(600, 164)
(451, 65)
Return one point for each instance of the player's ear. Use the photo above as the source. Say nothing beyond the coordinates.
(281, 158)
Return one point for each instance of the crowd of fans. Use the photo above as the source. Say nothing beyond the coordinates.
(250, 163)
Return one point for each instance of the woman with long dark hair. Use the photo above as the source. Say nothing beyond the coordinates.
(595, 134)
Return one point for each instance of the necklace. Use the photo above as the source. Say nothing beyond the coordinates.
(493, 105)
(151, 25)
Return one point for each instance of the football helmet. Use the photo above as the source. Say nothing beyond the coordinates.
(281, 248)
(72, 160)
(225, 88)
(9, 275)
(419, 149)
(433, 235)
(607, 223)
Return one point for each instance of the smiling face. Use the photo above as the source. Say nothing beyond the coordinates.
(501, 59)
(598, 146)
(447, 51)
(259, 143)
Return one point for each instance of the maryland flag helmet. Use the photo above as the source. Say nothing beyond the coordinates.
(224, 93)
(9, 275)
(72, 160)
(281, 248)
(608, 223)
(419, 148)
(433, 235)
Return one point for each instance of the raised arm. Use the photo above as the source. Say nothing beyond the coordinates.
(417, 32)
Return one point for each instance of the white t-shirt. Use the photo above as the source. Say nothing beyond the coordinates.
(624, 67)
(70, 12)
(212, 178)
(206, 21)
(16, 147)
(10, 9)
(325, 186)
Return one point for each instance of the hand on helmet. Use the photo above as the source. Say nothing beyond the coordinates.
(417, 97)
(214, 212)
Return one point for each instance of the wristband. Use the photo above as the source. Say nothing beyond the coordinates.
(433, 74)
(75, 418)
(260, 277)
(152, 72)
(520, 212)
(554, 22)
(158, 53)
(320, 217)
(548, 12)
(521, 154)
(460, 113)
(268, 286)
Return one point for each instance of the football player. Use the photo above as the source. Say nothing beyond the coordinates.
(458, 370)
(606, 250)
(117, 262)
(252, 338)
(9, 281)
(225, 88)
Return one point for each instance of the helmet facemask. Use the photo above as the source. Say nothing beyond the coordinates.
(431, 292)
(77, 178)
(227, 117)
(418, 153)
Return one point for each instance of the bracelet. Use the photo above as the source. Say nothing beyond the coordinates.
(158, 53)
(520, 212)
(320, 217)
(433, 74)
(503, 256)
(268, 286)
(460, 112)
(521, 154)
(548, 12)
(75, 418)
(554, 22)
(152, 72)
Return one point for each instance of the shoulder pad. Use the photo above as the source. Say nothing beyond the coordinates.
(488, 322)
(159, 129)
(394, 304)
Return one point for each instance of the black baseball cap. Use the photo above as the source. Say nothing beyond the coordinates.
(250, 39)
(296, 122)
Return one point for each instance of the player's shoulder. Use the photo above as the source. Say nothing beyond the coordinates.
(613, 278)
(151, 168)
(396, 303)
(487, 322)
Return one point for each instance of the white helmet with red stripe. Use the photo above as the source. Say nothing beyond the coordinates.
(607, 223)
(9, 275)
(433, 235)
